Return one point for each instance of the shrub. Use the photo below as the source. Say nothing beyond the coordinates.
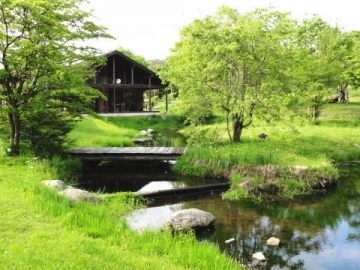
(45, 130)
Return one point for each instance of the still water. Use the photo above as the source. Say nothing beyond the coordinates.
(321, 232)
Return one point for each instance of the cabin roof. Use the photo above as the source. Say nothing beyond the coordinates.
(130, 60)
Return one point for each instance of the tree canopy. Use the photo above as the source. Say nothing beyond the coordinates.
(44, 59)
(261, 63)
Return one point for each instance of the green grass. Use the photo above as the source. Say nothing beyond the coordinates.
(306, 145)
(160, 123)
(342, 110)
(291, 141)
(41, 230)
(118, 131)
(98, 133)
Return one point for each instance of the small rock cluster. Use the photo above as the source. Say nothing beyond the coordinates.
(272, 242)
(259, 256)
(149, 132)
(71, 193)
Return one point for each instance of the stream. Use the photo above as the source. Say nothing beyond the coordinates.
(317, 232)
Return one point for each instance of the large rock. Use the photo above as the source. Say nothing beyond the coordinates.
(189, 219)
(56, 184)
(77, 195)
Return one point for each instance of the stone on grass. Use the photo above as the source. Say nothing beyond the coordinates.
(150, 131)
(187, 219)
(247, 185)
(55, 184)
(77, 195)
(273, 241)
(259, 256)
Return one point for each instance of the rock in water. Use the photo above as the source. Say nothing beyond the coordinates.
(229, 240)
(259, 256)
(273, 241)
(189, 219)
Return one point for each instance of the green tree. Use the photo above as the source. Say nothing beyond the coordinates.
(330, 62)
(240, 64)
(44, 59)
(347, 60)
(315, 74)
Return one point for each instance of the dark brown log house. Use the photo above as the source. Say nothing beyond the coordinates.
(124, 82)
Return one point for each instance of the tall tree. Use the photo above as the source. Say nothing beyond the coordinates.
(329, 61)
(240, 64)
(42, 58)
(347, 60)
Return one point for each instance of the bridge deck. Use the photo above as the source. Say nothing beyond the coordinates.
(127, 153)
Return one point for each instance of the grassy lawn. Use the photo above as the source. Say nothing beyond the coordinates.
(119, 131)
(342, 110)
(96, 132)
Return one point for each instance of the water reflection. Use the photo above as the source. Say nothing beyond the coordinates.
(322, 232)
(160, 185)
(135, 176)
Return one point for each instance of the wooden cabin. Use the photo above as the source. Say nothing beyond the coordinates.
(128, 85)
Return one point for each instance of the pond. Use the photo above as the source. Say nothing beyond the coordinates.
(320, 232)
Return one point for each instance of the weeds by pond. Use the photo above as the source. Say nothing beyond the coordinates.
(42, 230)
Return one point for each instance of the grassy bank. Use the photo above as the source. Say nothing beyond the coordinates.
(298, 155)
(288, 163)
(40, 230)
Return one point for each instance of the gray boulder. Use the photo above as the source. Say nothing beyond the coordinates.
(187, 219)
(77, 195)
(56, 184)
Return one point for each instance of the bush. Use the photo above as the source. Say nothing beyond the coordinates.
(44, 131)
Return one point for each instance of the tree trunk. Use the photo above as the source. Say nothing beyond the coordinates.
(346, 92)
(15, 125)
(237, 128)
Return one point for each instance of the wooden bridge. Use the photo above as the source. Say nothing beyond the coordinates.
(127, 153)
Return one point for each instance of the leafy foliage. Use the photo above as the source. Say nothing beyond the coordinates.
(43, 59)
(262, 63)
(45, 131)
